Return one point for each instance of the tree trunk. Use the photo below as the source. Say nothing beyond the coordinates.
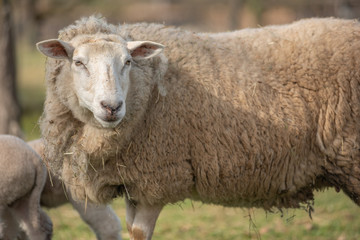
(9, 104)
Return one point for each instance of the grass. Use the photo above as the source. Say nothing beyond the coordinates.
(335, 216)
(31, 88)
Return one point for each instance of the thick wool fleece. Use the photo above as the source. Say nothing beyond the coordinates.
(257, 117)
(22, 179)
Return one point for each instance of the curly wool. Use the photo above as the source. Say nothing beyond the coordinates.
(257, 117)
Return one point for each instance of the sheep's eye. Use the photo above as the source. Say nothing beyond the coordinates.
(78, 63)
(128, 62)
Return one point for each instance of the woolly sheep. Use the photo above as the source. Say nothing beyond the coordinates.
(101, 218)
(252, 118)
(22, 178)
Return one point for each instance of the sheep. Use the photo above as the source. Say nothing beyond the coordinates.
(252, 118)
(22, 178)
(101, 218)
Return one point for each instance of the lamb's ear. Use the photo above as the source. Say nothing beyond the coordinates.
(144, 49)
(55, 48)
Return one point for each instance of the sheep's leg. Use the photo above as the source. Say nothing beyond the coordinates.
(34, 221)
(145, 220)
(101, 218)
(32, 218)
(130, 215)
(8, 225)
(141, 220)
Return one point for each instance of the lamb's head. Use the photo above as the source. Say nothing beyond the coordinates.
(100, 67)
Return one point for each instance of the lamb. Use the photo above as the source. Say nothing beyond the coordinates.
(101, 218)
(251, 118)
(22, 178)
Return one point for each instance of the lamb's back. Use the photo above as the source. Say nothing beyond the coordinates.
(18, 171)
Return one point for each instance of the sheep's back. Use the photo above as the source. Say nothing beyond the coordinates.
(240, 121)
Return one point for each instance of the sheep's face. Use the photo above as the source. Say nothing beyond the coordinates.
(101, 71)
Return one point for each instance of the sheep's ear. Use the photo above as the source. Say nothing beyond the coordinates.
(55, 48)
(144, 49)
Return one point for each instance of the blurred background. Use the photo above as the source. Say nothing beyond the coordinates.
(22, 93)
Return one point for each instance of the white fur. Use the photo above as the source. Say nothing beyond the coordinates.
(101, 69)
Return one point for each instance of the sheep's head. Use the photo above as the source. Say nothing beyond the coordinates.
(100, 67)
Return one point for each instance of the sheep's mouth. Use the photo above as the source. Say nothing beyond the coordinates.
(110, 118)
(108, 121)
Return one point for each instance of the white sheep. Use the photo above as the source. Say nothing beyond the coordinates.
(252, 118)
(101, 218)
(22, 178)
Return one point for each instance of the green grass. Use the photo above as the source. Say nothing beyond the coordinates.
(31, 88)
(335, 216)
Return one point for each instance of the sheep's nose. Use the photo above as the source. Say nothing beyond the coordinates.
(111, 108)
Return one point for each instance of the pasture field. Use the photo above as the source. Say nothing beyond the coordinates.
(335, 217)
